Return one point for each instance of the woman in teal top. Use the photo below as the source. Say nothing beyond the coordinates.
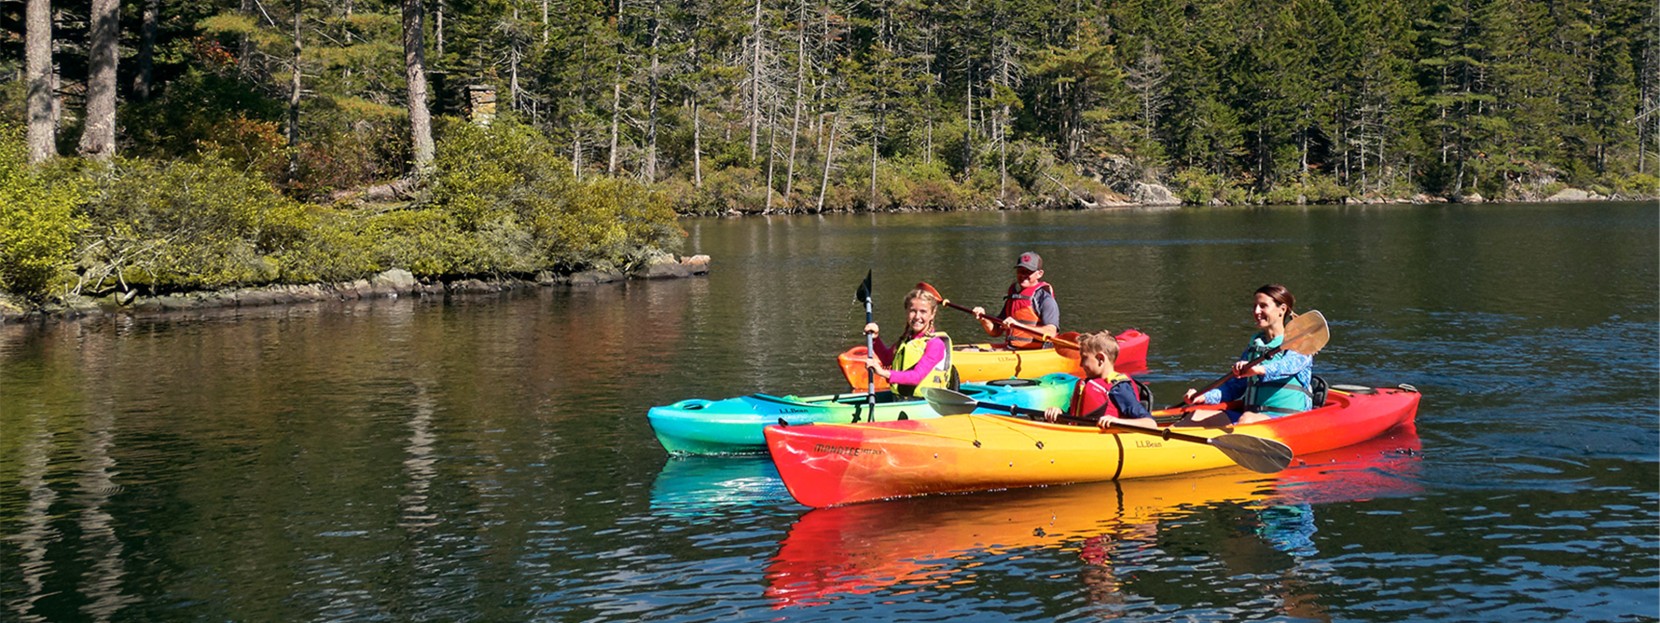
(1275, 387)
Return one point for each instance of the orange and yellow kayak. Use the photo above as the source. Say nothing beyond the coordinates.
(989, 362)
(923, 542)
(833, 464)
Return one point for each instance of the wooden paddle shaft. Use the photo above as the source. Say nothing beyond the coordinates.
(1303, 328)
(1017, 325)
(1249, 364)
(1154, 429)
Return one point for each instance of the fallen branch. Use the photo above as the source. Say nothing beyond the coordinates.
(1075, 196)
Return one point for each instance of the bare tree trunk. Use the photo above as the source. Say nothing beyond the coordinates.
(772, 148)
(1304, 159)
(245, 46)
(928, 133)
(43, 121)
(800, 77)
(616, 94)
(438, 28)
(651, 106)
(697, 147)
(544, 21)
(513, 65)
(576, 156)
(146, 50)
(616, 115)
(414, 61)
(829, 156)
(294, 90)
(513, 91)
(755, 85)
(346, 34)
(98, 137)
(1003, 134)
(968, 126)
(874, 138)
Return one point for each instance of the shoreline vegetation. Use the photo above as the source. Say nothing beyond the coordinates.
(156, 151)
(389, 284)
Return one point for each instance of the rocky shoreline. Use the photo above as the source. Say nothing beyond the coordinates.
(392, 283)
(398, 282)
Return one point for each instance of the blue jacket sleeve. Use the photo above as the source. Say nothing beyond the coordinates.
(1234, 389)
(1287, 363)
(1123, 396)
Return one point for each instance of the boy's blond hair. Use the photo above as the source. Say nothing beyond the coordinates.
(1099, 342)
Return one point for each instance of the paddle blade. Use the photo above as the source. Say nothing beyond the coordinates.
(923, 286)
(1264, 456)
(1307, 333)
(863, 295)
(1067, 344)
(949, 402)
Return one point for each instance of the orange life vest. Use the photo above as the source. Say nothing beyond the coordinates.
(1018, 305)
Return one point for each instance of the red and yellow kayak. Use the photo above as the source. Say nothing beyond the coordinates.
(923, 542)
(833, 464)
(989, 362)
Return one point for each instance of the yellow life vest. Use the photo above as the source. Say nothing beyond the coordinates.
(909, 352)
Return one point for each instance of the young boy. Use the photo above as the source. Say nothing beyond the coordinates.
(1030, 302)
(1103, 393)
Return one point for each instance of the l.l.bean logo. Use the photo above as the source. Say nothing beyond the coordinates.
(846, 450)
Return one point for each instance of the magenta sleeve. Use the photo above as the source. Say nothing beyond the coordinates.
(881, 351)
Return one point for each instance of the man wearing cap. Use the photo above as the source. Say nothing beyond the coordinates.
(1030, 313)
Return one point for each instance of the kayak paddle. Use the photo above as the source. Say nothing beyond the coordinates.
(1066, 343)
(863, 296)
(1306, 334)
(1253, 453)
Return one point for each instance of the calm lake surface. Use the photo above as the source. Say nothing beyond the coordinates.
(488, 458)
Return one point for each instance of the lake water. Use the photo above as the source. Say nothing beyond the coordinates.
(488, 458)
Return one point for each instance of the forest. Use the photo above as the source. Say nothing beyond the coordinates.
(184, 144)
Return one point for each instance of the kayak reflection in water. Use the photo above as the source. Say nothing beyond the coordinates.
(1129, 534)
(1246, 539)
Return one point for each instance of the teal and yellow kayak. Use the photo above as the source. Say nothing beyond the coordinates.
(734, 425)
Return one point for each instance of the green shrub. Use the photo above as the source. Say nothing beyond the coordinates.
(38, 224)
(423, 241)
(334, 248)
(484, 174)
(173, 225)
(1287, 194)
(513, 206)
(608, 222)
(1638, 184)
(736, 188)
(1195, 186)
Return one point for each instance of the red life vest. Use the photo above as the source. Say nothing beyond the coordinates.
(1018, 305)
(1090, 398)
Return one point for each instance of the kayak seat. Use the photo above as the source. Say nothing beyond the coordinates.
(1013, 382)
(1317, 388)
(1144, 393)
